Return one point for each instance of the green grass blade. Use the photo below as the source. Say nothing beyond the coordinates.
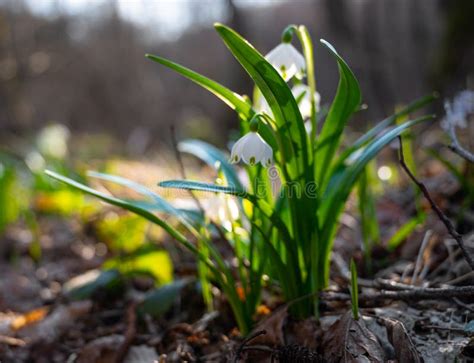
(205, 187)
(128, 205)
(462, 180)
(159, 204)
(232, 99)
(339, 189)
(382, 125)
(226, 283)
(354, 291)
(211, 156)
(158, 301)
(379, 128)
(404, 231)
(345, 103)
(368, 216)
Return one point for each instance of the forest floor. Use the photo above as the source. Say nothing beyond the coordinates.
(416, 301)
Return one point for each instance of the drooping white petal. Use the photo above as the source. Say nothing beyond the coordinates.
(287, 61)
(236, 153)
(251, 153)
(305, 103)
(252, 149)
(267, 158)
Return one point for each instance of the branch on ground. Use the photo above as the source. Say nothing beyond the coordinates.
(409, 295)
(446, 221)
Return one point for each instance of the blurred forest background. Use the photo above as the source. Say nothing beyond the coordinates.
(82, 64)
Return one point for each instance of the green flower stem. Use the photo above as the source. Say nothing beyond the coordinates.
(287, 34)
(307, 45)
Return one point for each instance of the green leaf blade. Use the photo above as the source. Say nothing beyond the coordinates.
(345, 103)
(159, 203)
(205, 187)
(339, 189)
(211, 155)
(128, 205)
(157, 302)
(230, 98)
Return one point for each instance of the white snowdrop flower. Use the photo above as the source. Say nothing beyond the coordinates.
(458, 110)
(252, 149)
(287, 61)
(53, 141)
(305, 102)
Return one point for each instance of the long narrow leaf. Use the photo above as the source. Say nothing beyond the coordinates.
(232, 99)
(338, 191)
(378, 129)
(211, 155)
(130, 206)
(345, 103)
(160, 204)
(205, 187)
(382, 125)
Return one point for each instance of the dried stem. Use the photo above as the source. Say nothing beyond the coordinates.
(449, 225)
(245, 342)
(130, 332)
(457, 147)
(410, 295)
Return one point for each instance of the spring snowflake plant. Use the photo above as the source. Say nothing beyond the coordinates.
(283, 224)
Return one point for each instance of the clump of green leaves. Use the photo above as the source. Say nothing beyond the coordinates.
(281, 227)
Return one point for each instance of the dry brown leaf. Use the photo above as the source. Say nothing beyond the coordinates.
(273, 325)
(28, 318)
(306, 333)
(349, 340)
(101, 350)
(405, 351)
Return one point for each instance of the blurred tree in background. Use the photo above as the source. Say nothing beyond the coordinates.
(86, 69)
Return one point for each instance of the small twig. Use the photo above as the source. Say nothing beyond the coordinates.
(12, 341)
(413, 294)
(130, 332)
(460, 279)
(247, 340)
(445, 264)
(182, 170)
(393, 285)
(456, 145)
(419, 258)
(380, 283)
(449, 226)
(438, 327)
(260, 348)
(465, 306)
